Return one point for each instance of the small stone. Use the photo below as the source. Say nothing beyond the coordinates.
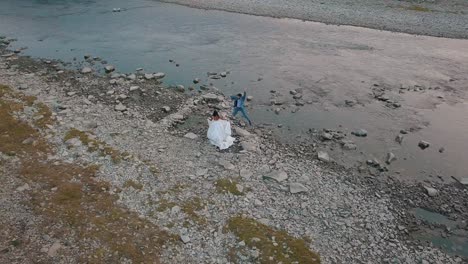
(73, 142)
(431, 191)
(185, 238)
(52, 252)
(246, 174)
(166, 109)
(23, 188)
(277, 110)
(360, 133)
(109, 68)
(191, 135)
(390, 158)
(297, 188)
(23, 87)
(241, 244)
(86, 70)
(349, 146)
(350, 103)
(131, 77)
(149, 76)
(180, 88)
(249, 98)
(297, 96)
(175, 210)
(196, 80)
(226, 164)
(404, 132)
(223, 74)
(323, 156)
(326, 136)
(211, 98)
(120, 107)
(159, 75)
(71, 93)
(441, 150)
(134, 88)
(399, 139)
(278, 176)
(423, 144)
(242, 132)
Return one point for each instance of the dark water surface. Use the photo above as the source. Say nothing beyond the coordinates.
(329, 63)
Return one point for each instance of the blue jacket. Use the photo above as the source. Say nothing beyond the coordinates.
(239, 102)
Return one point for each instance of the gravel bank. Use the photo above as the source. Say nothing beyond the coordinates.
(434, 18)
(197, 195)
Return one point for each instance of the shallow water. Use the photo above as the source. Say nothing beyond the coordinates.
(330, 64)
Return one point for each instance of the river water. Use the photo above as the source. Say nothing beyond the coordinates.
(330, 64)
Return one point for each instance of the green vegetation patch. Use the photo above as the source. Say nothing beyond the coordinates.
(274, 246)
(226, 185)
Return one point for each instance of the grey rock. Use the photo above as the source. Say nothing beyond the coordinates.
(86, 70)
(297, 188)
(250, 146)
(249, 98)
(211, 98)
(399, 139)
(159, 75)
(52, 252)
(73, 142)
(22, 87)
(120, 107)
(277, 110)
(293, 92)
(134, 88)
(350, 103)
(242, 132)
(180, 88)
(390, 158)
(423, 144)
(166, 109)
(23, 188)
(226, 164)
(431, 191)
(360, 133)
(297, 96)
(149, 76)
(191, 135)
(175, 210)
(278, 175)
(464, 181)
(185, 239)
(323, 156)
(326, 136)
(441, 150)
(196, 80)
(109, 68)
(349, 146)
(223, 74)
(246, 174)
(131, 77)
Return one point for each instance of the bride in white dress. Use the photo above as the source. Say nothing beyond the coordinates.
(219, 132)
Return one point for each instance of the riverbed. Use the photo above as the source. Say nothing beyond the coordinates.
(327, 64)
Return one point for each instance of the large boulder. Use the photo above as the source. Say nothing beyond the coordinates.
(211, 98)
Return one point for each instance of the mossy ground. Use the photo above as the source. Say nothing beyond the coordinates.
(227, 185)
(68, 197)
(95, 145)
(275, 246)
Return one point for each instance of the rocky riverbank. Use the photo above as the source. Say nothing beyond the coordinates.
(116, 168)
(433, 18)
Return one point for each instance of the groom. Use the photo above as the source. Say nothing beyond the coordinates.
(239, 100)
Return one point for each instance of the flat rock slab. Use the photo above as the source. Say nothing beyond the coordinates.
(278, 176)
(191, 135)
(296, 187)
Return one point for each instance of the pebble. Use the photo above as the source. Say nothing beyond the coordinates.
(134, 88)
(431, 191)
(323, 156)
(185, 239)
(86, 70)
(191, 135)
(423, 144)
(360, 133)
(109, 68)
(390, 158)
(23, 188)
(120, 107)
(399, 139)
(277, 175)
(296, 187)
(166, 109)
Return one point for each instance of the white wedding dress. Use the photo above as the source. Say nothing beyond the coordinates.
(219, 133)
